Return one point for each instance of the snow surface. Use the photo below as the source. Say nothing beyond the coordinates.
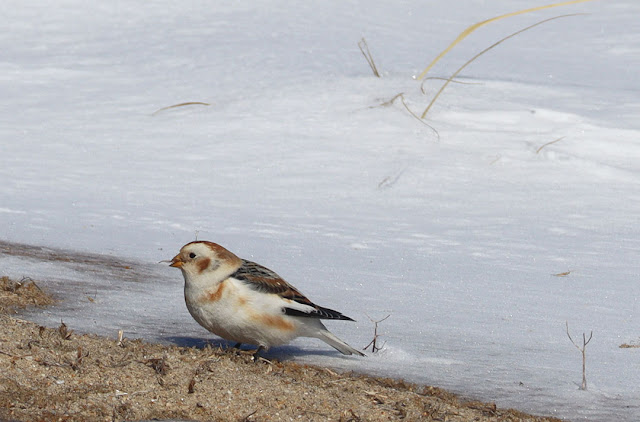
(295, 165)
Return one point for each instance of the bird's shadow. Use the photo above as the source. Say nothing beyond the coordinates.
(281, 353)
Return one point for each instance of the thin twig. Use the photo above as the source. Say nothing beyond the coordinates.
(389, 181)
(246, 418)
(374, 343)
(180, 105)
(404, 104)
(2, 352)
(549, 143)
(364, 49)
(582, 350)
(389, 102)
(495, 160)
(419, 119)
(438, 78)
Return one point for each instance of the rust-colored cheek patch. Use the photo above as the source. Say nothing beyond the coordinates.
(203, 264)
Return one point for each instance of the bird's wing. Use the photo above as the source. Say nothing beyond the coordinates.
(264, 280)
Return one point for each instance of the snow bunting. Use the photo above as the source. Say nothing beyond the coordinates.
(245, 302)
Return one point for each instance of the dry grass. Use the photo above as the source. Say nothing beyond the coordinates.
(406, 107)
(629, 346)
(20, 294)
(471, 60)
(54, 374)
(364, 49)
(464, 34)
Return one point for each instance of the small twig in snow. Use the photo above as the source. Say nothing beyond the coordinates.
(404, 104)
(180, 105)
(389, 181)
(582, 350)
(374, 343)
(549, 143)
(364, 49)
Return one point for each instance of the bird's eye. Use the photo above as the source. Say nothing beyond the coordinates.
(192, 255)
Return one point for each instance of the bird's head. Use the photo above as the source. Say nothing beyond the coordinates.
(205, 261)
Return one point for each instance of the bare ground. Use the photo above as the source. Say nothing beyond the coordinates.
(53, 374)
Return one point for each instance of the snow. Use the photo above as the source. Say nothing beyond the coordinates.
(295, 164)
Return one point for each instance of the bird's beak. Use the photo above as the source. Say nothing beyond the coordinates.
(177, 262)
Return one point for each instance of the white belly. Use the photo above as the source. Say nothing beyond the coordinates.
(237, 313)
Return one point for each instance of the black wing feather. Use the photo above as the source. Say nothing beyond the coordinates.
(319, 312)
(264, 280)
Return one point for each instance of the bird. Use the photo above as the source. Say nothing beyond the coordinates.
(244, 302)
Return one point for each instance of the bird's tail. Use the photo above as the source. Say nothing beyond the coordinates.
(338, 344)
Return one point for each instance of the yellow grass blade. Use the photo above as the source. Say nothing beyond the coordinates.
(473, 27)
(468, 62)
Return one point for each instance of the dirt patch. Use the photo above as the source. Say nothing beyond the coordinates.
(82, 261)
(54, 374)
(20, 294)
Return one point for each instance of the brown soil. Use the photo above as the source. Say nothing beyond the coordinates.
(20, 294)
(53, 374)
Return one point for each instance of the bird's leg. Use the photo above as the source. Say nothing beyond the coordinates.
(256, 354)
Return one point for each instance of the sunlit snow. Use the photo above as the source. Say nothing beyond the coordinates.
(480, 242)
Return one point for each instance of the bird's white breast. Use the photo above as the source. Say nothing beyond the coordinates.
(234, 311)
